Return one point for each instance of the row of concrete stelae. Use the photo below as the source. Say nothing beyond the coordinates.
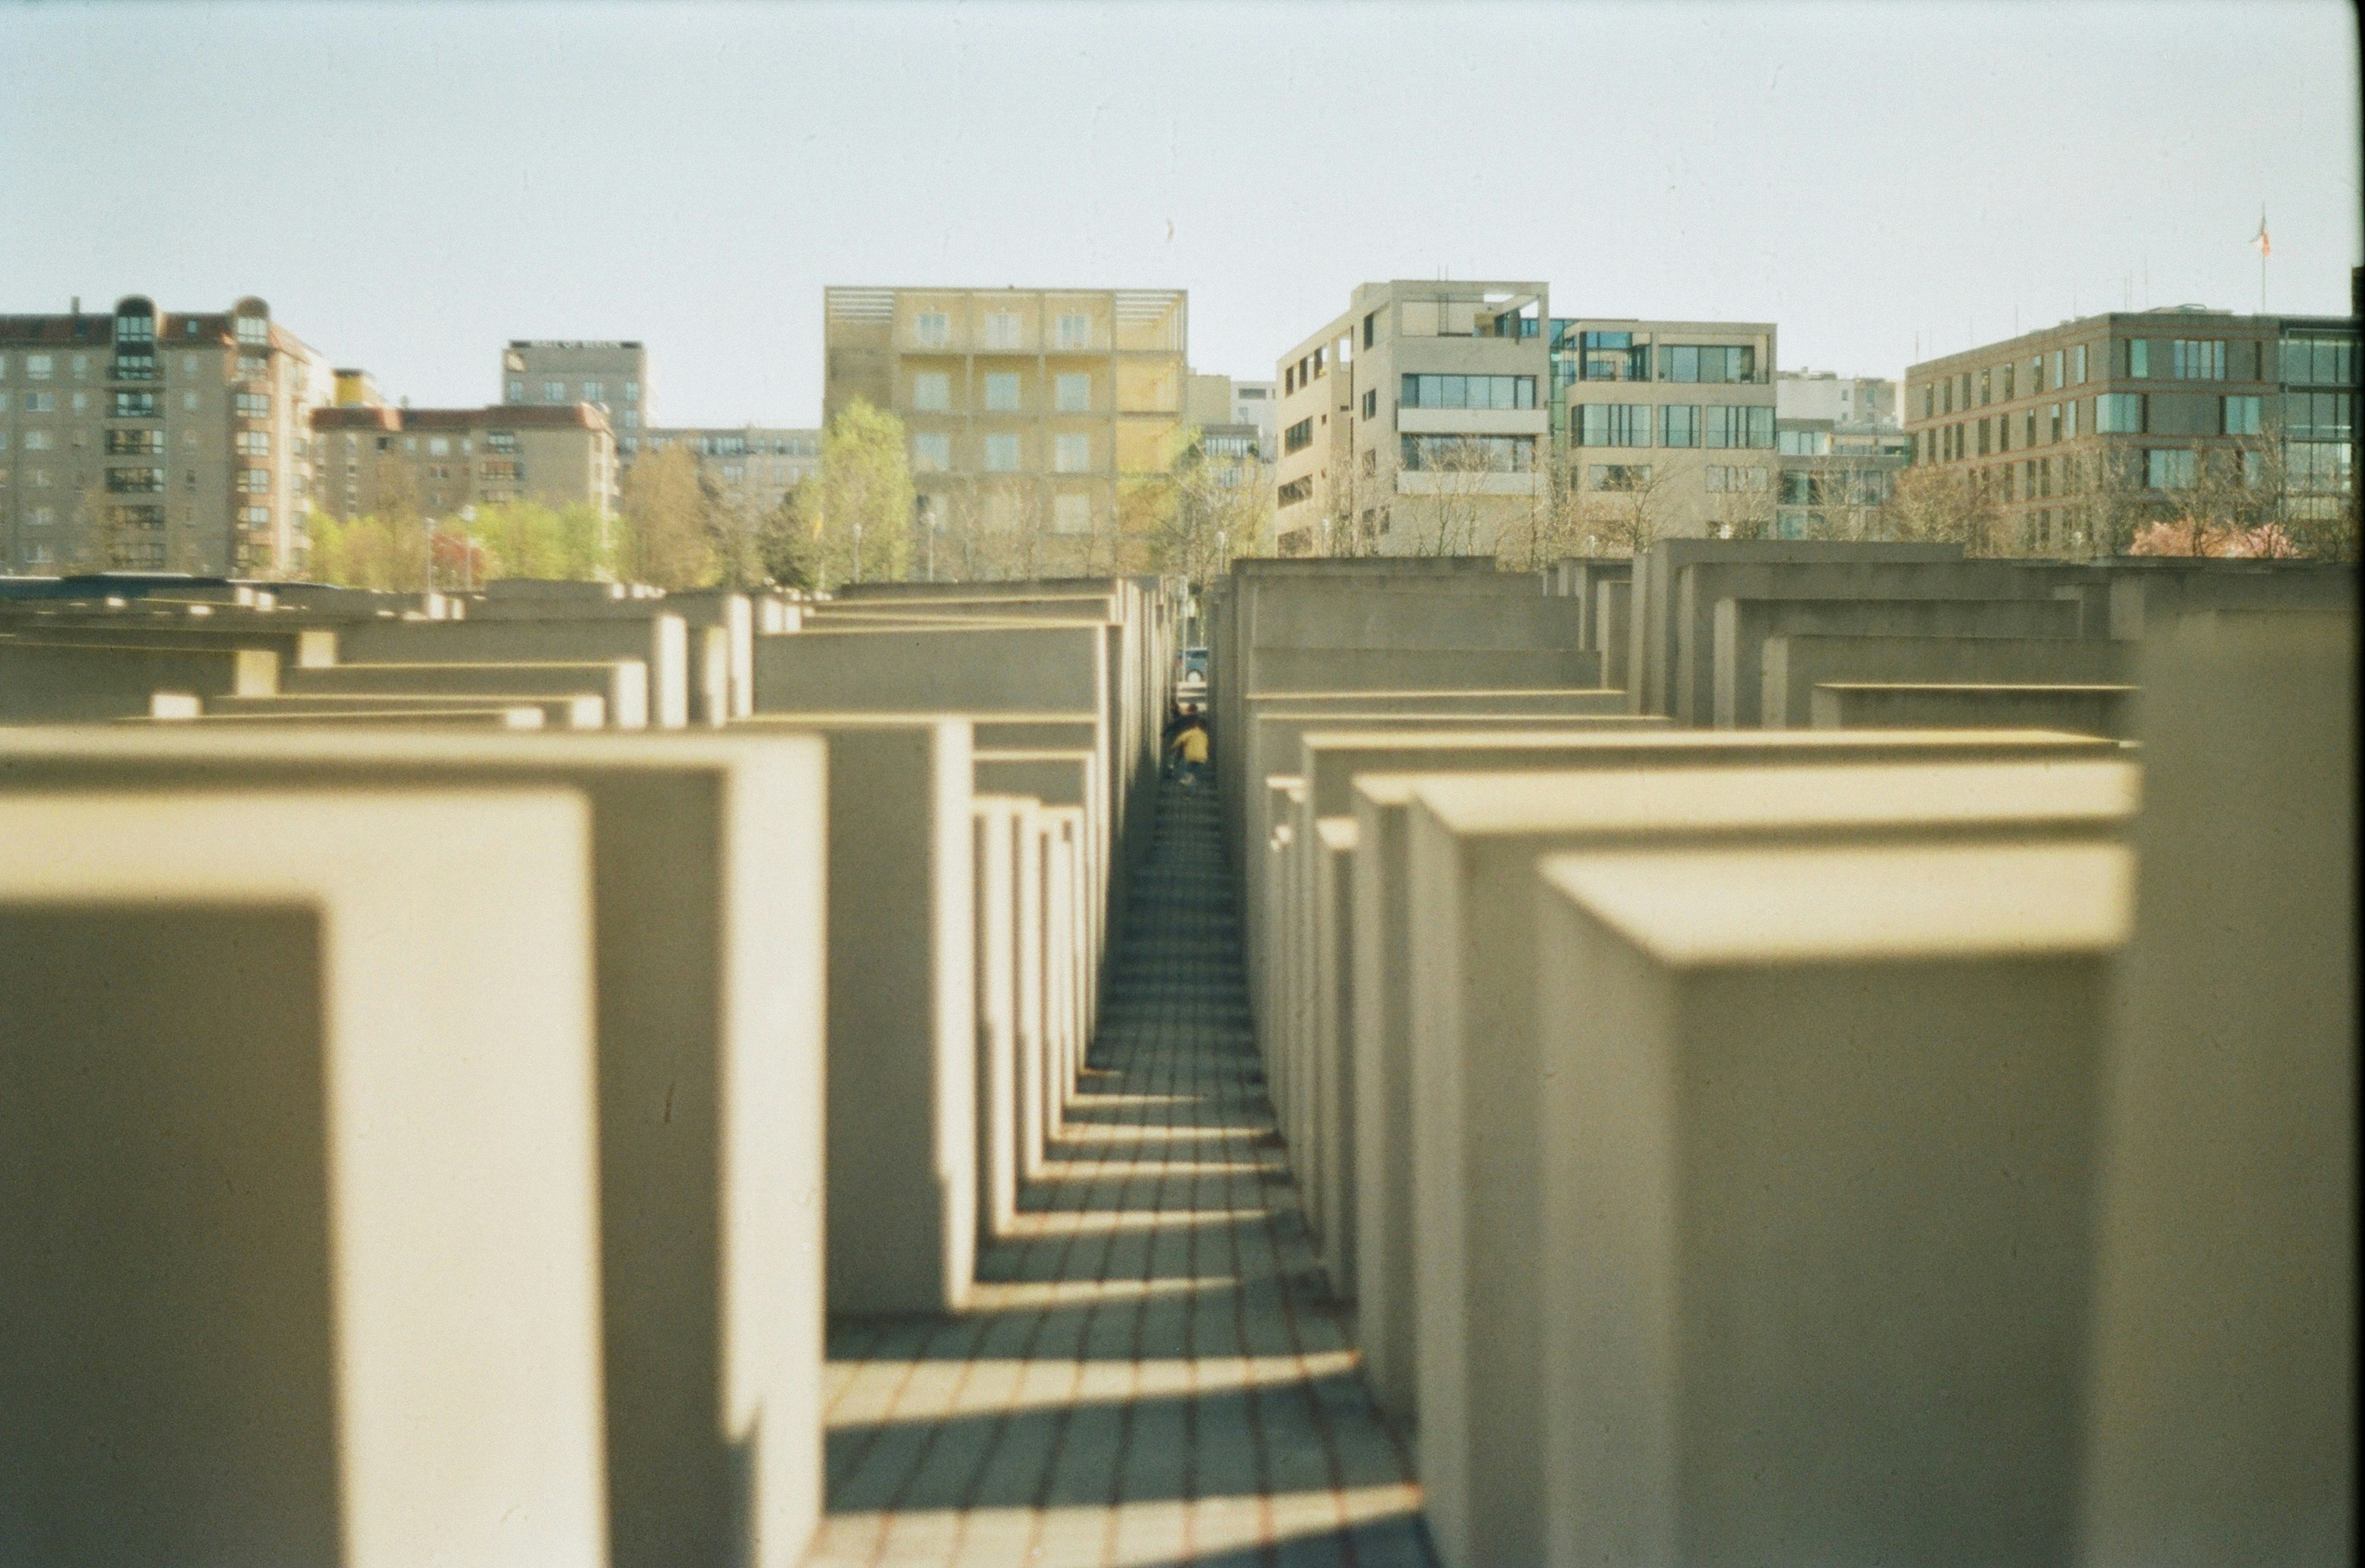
(425, 1142)
(1801, 1053)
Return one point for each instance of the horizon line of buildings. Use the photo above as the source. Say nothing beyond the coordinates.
(1428, 417)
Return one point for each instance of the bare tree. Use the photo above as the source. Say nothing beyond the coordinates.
(1944, 506)
(1449, 514)
(1623, 511)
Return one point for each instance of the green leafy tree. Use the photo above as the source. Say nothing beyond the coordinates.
(668, 537)
(529, 538)
(787, 552)
(865, 532)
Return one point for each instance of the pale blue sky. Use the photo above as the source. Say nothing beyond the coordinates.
(411, 186)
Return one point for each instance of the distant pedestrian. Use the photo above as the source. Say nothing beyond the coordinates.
(1189, 748)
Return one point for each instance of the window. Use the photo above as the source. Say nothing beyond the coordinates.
(1072, 454)
(1466, 392)
(1740, 425)
(2070, 421)
(41, 402)
(439, 447)
(2317, 467)
(1001, 454)
(2241, 417)
(1929, 403)
(1803, 443)
(135, 481)
(1725, 480)
(632, 422)
(1299, 436)
(500, 441)
(1468, 454)
(1071, 392)
(133, 405)
(1983, 437)
(2077, 363)
(253, 444)
(517, 391)
(932, 452)
(932, 391)
(40, 440)
(81, 366)
(2306, 361)
(1679, 425)
(632, 391)
(2139, 358)
(2194, 359)
(1613, 356)
(135, 328)
(1074, 330)
(1613, 424)
(1947, 393)
(1685, 362)
(2119, 413)
(1071, 514)
(137, 516)
(2053, 422)
(2007, 383)
(1372, 404)
(2167, 469)
(37, 367)
(2036, 374)
(1617, 476)
(1986, 388)
(41, 517)
(134, 366)
(1369, 326)
(1001, 392)
(1003, 331)
(1296, 491)
(82, 402)
(254, 516)
(253, 330)
(553, 391)
(595, 391)
(932, 328)
(2319, 416)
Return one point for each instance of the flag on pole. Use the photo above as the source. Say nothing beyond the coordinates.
(2259, 239)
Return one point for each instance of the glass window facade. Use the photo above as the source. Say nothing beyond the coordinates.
(1467, 392)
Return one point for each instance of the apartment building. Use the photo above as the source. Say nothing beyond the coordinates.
(1667, 429)
(1255, 403)
(751, 465)
(612, 376)
(1026, 409)
(430, 463)
(142, 440)
(2080, 433)
(1838, 451)
(1411, 424)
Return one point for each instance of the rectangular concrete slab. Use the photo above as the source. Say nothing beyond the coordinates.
(1818, 1147)
(2092, 709)
(2223, 1375)
(1790, 668)
(623, 683)
(708, 863)
(661, 641)
(1472, 844)
(302, 1230)
(1742, 625)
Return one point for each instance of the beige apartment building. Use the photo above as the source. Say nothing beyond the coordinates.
(136, 440)
(751, 467)
(612, 376)
(1667, 427)
(2081, 433)
(1416, 422)
(430, 463)
(1026, 410)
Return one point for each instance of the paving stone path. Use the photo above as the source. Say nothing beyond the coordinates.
(1152, 1374)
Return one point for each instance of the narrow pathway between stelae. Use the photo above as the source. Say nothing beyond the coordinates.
(1152, 1373)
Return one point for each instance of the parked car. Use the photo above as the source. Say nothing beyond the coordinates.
(1191, 680)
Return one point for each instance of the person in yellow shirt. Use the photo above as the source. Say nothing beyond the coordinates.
(1189, 748)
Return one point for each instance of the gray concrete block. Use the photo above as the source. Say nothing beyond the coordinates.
(2092, 709)
(301, 1229)
(1818, 1149)
(296, 644)
(63, 683)
(1791, 667)
(622, 684)
(1742, 626)
(2144, 593)
(549, 711)
(1471, 846)
(2222, 1377)
(661, 641)
(1383, 1040)
(902, 1032)
(708, 860)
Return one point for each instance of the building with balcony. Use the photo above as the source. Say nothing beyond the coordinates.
(612, 376)
(2082, 434)
(1413, 422)
(752, 467)
(369, 459)
(1027, 412)
(139, 439)
(1666, 428)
